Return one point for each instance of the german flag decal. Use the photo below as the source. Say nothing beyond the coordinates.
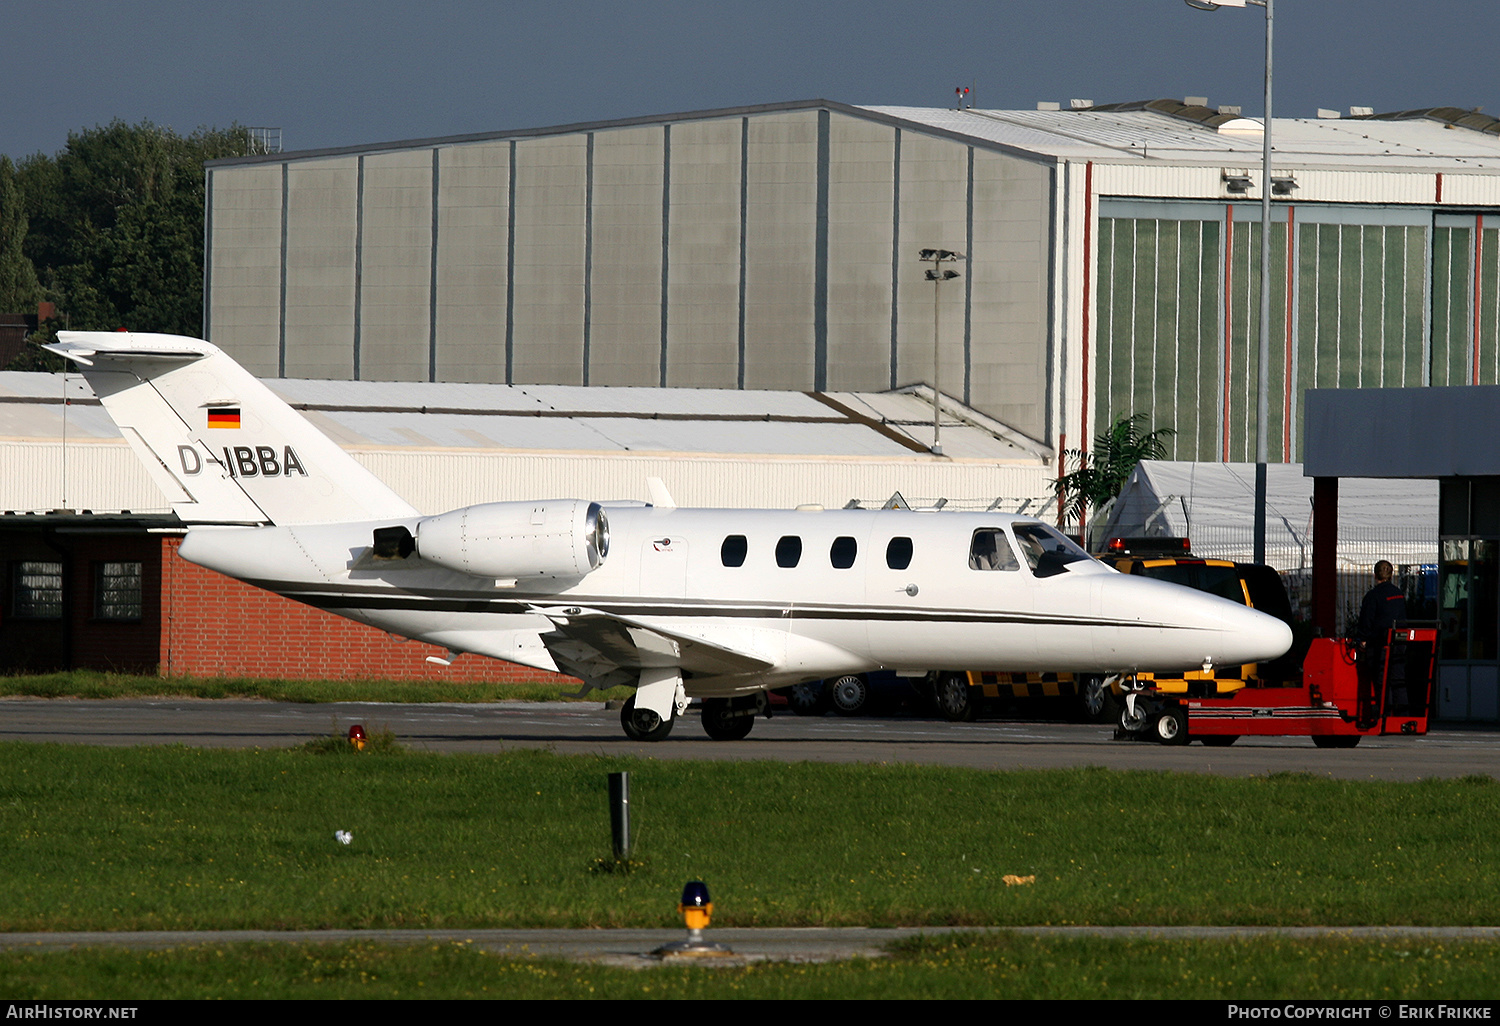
(224, 417)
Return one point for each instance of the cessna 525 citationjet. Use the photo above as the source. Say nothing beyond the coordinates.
(717, 604)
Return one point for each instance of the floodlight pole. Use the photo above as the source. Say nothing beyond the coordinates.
(1263, 399)
(937, 276)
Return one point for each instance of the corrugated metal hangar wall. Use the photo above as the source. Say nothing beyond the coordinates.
(765, 248)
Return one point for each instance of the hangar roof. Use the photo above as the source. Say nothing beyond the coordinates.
(572, 418)
(1164, 131)
(1161, 131)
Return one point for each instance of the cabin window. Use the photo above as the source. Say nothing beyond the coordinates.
(37, 594)
(898, 553)
(842, 554)
(117, 591)
(732, 552)
(990, 550)
(789, 551)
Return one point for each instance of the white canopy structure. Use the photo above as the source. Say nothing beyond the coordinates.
(1213, 504)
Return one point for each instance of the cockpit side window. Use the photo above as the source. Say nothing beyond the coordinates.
(1046, 551)
(989, 549)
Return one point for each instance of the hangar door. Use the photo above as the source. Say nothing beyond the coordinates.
(1178, 315)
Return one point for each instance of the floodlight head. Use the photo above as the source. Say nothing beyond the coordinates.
(927, 254)
(1202, 5)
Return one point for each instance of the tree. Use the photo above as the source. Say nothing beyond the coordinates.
(1103, 472)
(116, 224)
(19, 290)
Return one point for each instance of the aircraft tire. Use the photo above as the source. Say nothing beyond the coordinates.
(850, 694)
(1219, 740)
(810, 698)
(1335, 740)
(643, 724)
(1172, 726)
(721, 723)
(1096, 700)
(955, 700)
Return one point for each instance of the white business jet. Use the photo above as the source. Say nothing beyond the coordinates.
(717, 604)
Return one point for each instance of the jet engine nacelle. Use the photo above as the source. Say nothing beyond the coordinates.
(551, 538)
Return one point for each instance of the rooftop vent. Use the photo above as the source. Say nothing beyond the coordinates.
(1048, 105)
(1361, 112)
(1329, 115)
(1081, 104)
(1236, 181)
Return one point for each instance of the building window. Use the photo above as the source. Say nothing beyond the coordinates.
(38, 591)
(788, 551)
(117, 591)
(732, 552)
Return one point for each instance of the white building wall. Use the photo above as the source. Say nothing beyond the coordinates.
(704, 255)
(244, 270)
(934, 205)
(780, 237)
(473, 213)
(321, 216)
(627, 257)
(396, 279)
(861, 198)
(551, 184)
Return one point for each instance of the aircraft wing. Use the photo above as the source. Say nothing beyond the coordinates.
(597, 644)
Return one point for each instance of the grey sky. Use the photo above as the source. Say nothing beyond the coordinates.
(345, 73)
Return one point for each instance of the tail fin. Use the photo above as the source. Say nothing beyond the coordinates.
(220, 445)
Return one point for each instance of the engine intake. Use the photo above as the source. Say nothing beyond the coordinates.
(551, 538)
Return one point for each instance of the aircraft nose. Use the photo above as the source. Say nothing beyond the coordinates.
(1244, 635)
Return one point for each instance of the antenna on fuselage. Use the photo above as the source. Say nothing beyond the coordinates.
(657, 494)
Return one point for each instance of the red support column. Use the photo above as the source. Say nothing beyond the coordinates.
(1325, 553)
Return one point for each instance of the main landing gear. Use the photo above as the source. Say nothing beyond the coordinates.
(724, 719)
(643, 724)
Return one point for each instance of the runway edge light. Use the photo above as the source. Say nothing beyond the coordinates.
(697, 909)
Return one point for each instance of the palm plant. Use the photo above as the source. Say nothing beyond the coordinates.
(1103, 472)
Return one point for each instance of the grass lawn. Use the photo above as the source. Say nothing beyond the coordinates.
(93, 684)
(179, 838)
(947, 966)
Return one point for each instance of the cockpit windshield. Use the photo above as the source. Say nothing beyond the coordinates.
(1045, 550)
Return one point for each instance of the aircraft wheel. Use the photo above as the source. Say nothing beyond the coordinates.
(643, 724)
(1172, 727)
(850, 694)
(721, 723)
(954, 698)
(1219, 740)
(1133, 723)
(1335, 740)
(1096, 700)
(810, 698)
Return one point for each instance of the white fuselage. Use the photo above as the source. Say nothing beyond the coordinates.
(671, 599)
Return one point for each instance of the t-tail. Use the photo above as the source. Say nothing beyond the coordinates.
(222, 447)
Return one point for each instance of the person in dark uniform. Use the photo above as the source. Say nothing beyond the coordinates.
(1384, 607)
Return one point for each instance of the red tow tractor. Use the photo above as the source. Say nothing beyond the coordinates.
(1335, 693)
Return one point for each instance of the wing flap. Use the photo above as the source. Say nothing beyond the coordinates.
(594, 636)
